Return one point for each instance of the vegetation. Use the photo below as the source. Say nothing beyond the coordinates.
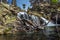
(8, 15)
(24, 6)
(44, 9)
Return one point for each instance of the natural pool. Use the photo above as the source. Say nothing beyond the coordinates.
(23, 36)
(27, 36)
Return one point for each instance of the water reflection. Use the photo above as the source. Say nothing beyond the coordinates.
(25, 36)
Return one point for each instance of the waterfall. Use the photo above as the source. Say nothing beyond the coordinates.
(22, 15)
(36, 20)
(45, 20)
(49, 23)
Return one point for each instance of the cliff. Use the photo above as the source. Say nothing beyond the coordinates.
(8, 18)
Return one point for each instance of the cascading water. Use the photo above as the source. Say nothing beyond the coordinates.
(22, 15)
(50, 30)
(36, 20)
(33, 18)
(48, 23)
(50, 27)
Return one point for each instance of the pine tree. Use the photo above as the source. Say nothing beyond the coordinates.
(4, 1)
(24, 6)
(14, 2)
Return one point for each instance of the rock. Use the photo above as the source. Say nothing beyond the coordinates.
(1, 31)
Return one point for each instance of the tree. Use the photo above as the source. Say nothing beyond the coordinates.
(14, 2)
(4, 1)
(24, 6)
(54, 1)
(35, 4)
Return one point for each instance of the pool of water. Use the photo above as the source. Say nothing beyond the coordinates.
(27, 36)
(23, 36)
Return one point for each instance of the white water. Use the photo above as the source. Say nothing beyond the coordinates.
(35, 19)
(49, 23)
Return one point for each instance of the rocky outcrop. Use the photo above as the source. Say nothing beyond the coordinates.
(8, 18)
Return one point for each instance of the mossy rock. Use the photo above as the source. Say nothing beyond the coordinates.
(7, 30)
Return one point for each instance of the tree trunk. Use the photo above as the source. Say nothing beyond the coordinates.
(14, 2)
(4, 1)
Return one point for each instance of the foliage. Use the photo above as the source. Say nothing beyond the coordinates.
(44, 9)
(54, 1)
(24, 6)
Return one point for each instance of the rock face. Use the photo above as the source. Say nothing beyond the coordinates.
(8, 18)
(9, 22)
